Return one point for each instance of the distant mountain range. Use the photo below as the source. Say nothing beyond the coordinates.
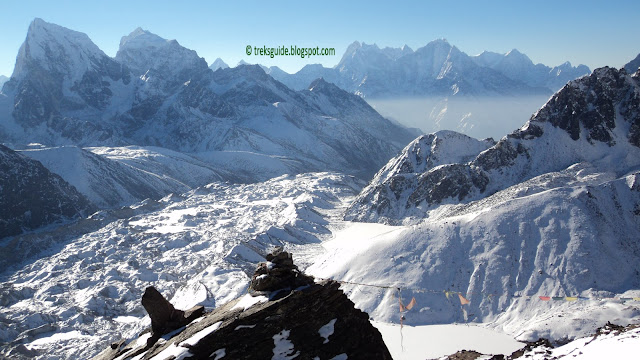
(438, 87)
(155, 120)
(437, 69)
(66, 91)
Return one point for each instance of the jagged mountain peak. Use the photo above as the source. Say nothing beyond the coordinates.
(587, 107)
(218, 64)
(141, 38)
(320, 84)
(516, 55)
(148, 54)
(56, 48)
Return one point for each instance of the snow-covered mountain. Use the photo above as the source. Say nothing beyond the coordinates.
(437, 69)
(551, 210)
(63, 85)
(633, 65)
(438, 87)
(593, 119)
(218, 64)
(557, 235)
(3, 79)
(158, 93)
(31, 196)
(517, 66)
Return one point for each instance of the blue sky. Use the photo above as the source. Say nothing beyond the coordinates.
(595, 33)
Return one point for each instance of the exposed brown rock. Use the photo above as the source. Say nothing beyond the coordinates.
(164, 317)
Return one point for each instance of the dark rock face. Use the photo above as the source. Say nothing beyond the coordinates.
(308, 322)
(633, 65)
(603, 108)
(164, 317)
(31, 196)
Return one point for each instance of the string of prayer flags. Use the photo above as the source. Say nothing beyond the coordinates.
(448, 293)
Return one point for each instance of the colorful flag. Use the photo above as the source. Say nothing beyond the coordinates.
(544, 298)
(571, 298)
(409, 306)
(463, 301)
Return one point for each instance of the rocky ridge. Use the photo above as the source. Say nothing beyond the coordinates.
(31, 196)
(286, 315)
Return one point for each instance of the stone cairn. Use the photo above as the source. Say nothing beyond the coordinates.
(277, 273)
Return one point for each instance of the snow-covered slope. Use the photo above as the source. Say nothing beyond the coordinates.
(31, 196)
(198, 247)
(163, 94)
(113, 177)
(594, 119)
(565, 234)
(517, 66)
(609, 342)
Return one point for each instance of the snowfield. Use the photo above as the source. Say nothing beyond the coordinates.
(556, 235)
(199, 248)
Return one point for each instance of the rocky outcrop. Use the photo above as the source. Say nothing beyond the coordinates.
(277, 273)
(164, 317)
(607, 340)
(31, 196)
(286, 315)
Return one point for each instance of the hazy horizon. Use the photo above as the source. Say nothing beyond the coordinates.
(479, 118)
(224, 30)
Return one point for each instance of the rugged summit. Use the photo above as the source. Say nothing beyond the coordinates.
(437, 69)
(517, 66)
(594, 119)
(218, 64)
(291, 317)
(155, 92)
(31, 196)
(60, 73)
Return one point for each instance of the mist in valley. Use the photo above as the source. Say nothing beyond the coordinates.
(480, 117)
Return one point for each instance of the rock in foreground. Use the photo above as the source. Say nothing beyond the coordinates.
(312, 321)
